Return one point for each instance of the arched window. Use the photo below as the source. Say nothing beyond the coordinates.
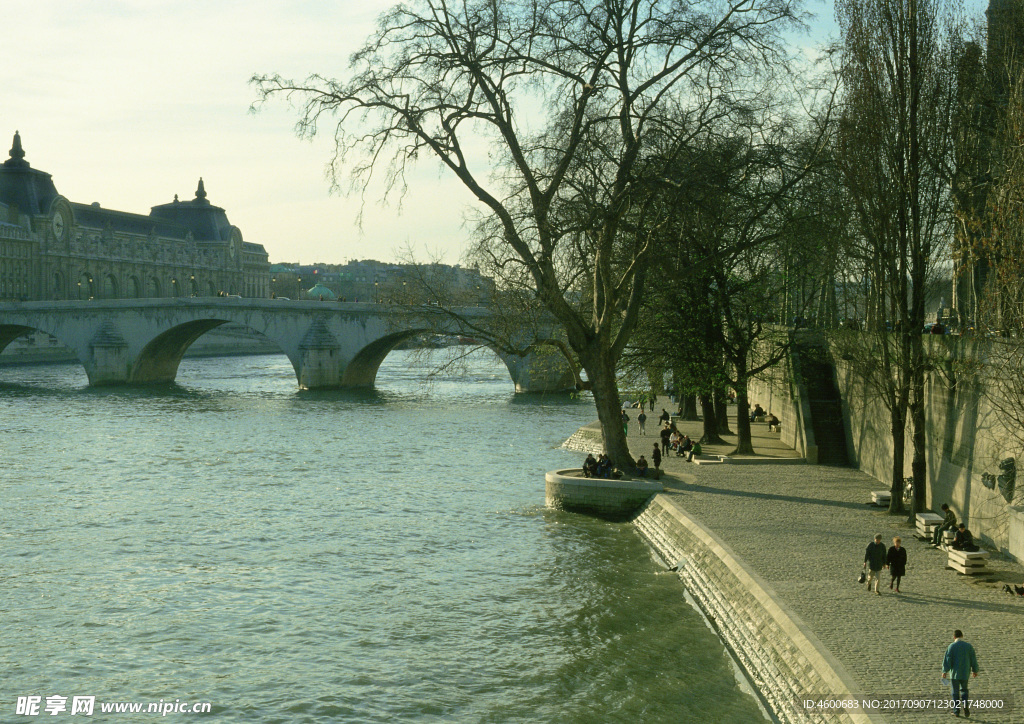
(57, 291)
(110, 287)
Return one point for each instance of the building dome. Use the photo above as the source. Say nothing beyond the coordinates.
(320, 291)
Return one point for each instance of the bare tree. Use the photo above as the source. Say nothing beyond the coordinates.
(520, 99)
(898, 61)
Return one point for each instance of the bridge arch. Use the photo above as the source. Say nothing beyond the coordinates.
(11, 332)
(362, 370)
(159, 359)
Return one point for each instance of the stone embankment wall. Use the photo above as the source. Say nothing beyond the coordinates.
(781, 657)
(612, 499)
(586, 440)
(968, 436)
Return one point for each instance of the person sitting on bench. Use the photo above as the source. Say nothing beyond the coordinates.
(964, 540)
(757, 412)
(641, 466)
(948, 523)
(773, 422)
(590, 466)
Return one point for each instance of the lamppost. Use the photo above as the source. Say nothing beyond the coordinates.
(376, 294)
(273, 287)
(298, 292)
(174, 287)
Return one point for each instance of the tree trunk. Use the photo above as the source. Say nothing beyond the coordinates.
(899, 444)
(919, 462)
(721, 413)
(689, 405)
(710, 436)
(609, 411)
(744, 446)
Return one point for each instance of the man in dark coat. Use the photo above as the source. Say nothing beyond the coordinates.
(874, 561)
(964, 539)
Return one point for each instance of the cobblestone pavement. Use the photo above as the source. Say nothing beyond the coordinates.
(804, 529)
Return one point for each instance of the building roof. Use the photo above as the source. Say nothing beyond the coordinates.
(21, 185)
(95, 217)
(319, 290)
(207, 222)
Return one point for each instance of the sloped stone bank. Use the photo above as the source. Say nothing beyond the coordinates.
(782, 658)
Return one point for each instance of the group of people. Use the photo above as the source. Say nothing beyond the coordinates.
(963, 539)
(599, 467)
(877, 558)
(960, 661)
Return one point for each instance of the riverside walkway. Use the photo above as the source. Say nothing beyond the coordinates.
(804, 529)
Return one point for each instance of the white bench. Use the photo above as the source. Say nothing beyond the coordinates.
(969, 563)
(881, 497)
(927, 523)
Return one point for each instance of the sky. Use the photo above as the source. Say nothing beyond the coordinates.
(129, 102)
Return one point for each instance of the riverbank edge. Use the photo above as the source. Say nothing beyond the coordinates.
(778, 653)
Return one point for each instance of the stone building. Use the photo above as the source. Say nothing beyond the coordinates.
(54, 248)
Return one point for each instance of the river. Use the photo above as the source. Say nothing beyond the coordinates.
(295, 556)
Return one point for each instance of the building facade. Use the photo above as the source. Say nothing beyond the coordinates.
(54, 248)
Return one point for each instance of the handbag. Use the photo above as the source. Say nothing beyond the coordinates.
(861, 578)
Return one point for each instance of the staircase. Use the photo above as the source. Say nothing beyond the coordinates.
(818, 375)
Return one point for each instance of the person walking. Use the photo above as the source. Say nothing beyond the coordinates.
(874, 561)
(625, 422)
(641, 421)
(959, 663)
(896, 562)
(656, 456)
(666, 433)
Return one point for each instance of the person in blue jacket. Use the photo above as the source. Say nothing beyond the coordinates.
(959, 663)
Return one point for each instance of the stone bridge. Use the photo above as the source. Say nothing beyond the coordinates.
(330, 344)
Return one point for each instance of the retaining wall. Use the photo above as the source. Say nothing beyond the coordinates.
(587, 439)
(967, 437)
(613, 499)
(782, 658)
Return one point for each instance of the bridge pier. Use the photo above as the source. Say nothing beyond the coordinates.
(109, 361)
(540, 371)
(320, 364)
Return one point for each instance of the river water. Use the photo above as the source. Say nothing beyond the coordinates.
(290, 556)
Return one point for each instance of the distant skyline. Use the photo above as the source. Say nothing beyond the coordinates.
(129, 102)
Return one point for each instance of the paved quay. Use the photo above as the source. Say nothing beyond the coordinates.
(804, 528)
